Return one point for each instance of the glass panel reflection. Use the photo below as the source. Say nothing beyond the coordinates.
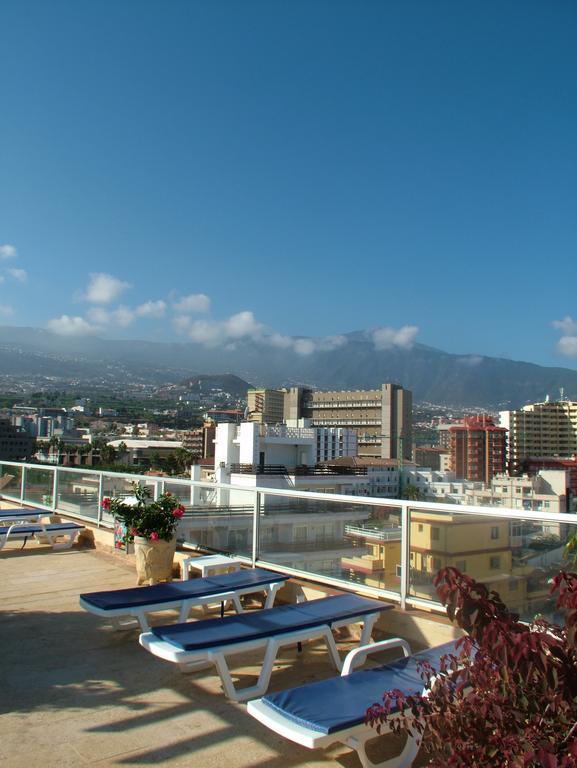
(516, 558)
(38, 486)
(218, 519)
(78, 493)
(10, 481)
(358, 543)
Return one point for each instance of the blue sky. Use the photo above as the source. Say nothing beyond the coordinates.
(215, 170)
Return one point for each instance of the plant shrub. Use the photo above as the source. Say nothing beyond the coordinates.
(508, 697)
(147, 518)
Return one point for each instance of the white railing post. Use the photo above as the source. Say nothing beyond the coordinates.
(100, 497)
(55, 488)
(23, 483)
(405, 545)
(255, 528)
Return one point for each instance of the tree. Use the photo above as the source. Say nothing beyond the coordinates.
(412, 493)
(508, 697)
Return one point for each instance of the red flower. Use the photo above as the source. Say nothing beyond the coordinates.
(154, 536)
(178, 512)
(167, 493)
(106, 503)
(133, 532)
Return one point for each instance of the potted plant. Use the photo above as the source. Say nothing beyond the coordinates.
(151, 525)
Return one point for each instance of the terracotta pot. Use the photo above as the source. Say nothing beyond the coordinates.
(154, 559)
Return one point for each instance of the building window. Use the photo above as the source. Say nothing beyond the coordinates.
(495, 562)
(495, 532)
(461, 565)
(435, 534)
(398, 571)
(420, 528)
(436, 563)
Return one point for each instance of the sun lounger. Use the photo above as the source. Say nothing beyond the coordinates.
(136, 602)
(212, 640)
(322, 713)
(15, 514)
(42, 532)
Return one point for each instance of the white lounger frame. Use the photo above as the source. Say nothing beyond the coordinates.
(45, 535)
(189, 660)
(128, 618)
(13, 515)
(355, 737)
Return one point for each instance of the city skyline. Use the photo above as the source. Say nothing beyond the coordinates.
(214, 172)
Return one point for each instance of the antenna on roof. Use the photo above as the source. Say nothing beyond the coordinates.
(562, 393)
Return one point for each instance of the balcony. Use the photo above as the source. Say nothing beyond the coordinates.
(300, 471)
(65, 672)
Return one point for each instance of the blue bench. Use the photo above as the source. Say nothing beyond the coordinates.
(136, 602)
(49, 532)
(322, 713)
(211, 641)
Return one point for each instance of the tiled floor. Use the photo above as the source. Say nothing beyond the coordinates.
(74, 692)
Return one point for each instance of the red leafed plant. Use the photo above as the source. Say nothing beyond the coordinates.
(508, 697)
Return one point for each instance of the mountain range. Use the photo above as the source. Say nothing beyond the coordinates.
(432, 375)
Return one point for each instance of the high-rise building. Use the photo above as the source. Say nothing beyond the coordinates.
(15, 444)
(381, 417)
(265, 406)
(546, 429)
(478, 449)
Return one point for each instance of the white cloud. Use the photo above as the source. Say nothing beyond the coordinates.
(8, 251)
(151, 309)
(193, 303)
(304, 346)
(470, 360)
(280, 341)
(386, 338)
(104, 288)
(65, 325)
(567, 345)
(18, 274)
(328, 343)
(568, 326)
(242, 325)
(122, 316)
(182, 323)
(207, 332)
(6, 310)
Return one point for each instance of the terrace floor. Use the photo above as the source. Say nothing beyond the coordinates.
(75, 692)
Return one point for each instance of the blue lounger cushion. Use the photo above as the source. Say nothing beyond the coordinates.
(173, 591)
(333, 705)
(29, 529)
(271, 622)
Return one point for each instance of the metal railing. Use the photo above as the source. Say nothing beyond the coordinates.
(386, 547)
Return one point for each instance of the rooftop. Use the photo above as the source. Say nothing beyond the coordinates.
(77, 692)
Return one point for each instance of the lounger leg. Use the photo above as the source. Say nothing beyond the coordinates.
(263, 679)
(368, 625)
(332, 649)
(271, 594)
(404, 760)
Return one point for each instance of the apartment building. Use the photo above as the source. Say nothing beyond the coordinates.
(544, 492)
(15, 443)
(381, 417)
(547, 429)
(265, 406)
(478, 449)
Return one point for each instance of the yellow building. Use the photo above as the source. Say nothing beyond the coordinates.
(476, 545)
